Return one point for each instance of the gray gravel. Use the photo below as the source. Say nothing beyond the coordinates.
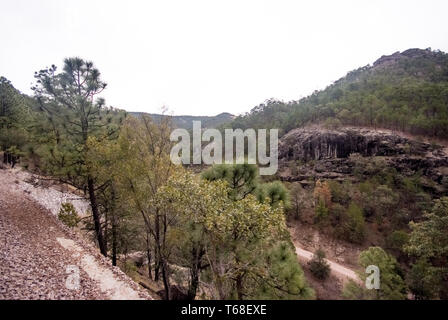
(32, 263)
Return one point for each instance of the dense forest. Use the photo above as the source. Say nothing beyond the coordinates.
(405, 91)
(226, 228)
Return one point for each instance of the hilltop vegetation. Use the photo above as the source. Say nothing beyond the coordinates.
(406, 91)
(186, 122)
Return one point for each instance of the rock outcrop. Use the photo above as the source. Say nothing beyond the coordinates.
(317, 153)
(317, 144)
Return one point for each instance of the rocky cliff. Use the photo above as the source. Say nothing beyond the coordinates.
(314, 153)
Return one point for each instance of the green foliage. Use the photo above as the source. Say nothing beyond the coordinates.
(68, 215)
(353, 291)
(298, 196)
(410, 95)
(285, 279)
(392, 285)
(352, 225)
(15, 118)
(242, 239)
(275, 192)
(429, 242)
(242, 178)
(321, 212)
(428, 238)
(339, 192)
(319, 267)
(378, 199)
(397, 240)
(73, 113)
(424, 281)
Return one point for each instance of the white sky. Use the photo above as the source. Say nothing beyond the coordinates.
(206, 57)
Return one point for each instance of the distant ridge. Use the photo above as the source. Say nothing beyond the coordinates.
(186, 122)
(405, 91)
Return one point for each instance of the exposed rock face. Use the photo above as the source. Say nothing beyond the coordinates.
(326, 154)
(317, 144)
(385, 61)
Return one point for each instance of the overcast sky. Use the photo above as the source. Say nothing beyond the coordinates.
(206, 57)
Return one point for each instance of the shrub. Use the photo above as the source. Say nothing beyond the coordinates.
(423, 282)
(353, 225)
(68, 215)
(339, 194)
(392, 285)
(397, 239)
(337, 214)
(319, 267)
(321, 212)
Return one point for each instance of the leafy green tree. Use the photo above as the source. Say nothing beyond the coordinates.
(297, 199)
(429, 243)
(284, 279)
(15, 116)
(392, 285)
(424, 280)
(105, 158)
(352, 225)
(241, 239)
(68, 215)
(319, 267)
(145, 149)
(321, 212)
(339, 192)
(397, 240)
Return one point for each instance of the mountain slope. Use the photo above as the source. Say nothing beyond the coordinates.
(186, 122)
(405, 91)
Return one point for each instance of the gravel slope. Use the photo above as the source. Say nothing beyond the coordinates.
(33, 263)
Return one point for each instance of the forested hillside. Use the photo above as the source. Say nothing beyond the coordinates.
(228, 233)
(201, 236)
(186, 122)
(405, 91)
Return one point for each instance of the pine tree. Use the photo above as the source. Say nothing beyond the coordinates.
(75, 113)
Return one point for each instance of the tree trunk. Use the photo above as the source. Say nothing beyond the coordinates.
(166, 280)
(158, 258)
(196, 265)
(156, 269)
(114, 241)
(96, 217)
(148, 255)
(194, 283)
(239, 287)
(194, 276)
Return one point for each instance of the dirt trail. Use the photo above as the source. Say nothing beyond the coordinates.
(338, 270)
(115, 289)
(37, 252)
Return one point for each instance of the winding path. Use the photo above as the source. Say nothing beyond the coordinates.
(340, 271)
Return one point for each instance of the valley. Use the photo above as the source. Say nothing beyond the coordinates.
(362, 181)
